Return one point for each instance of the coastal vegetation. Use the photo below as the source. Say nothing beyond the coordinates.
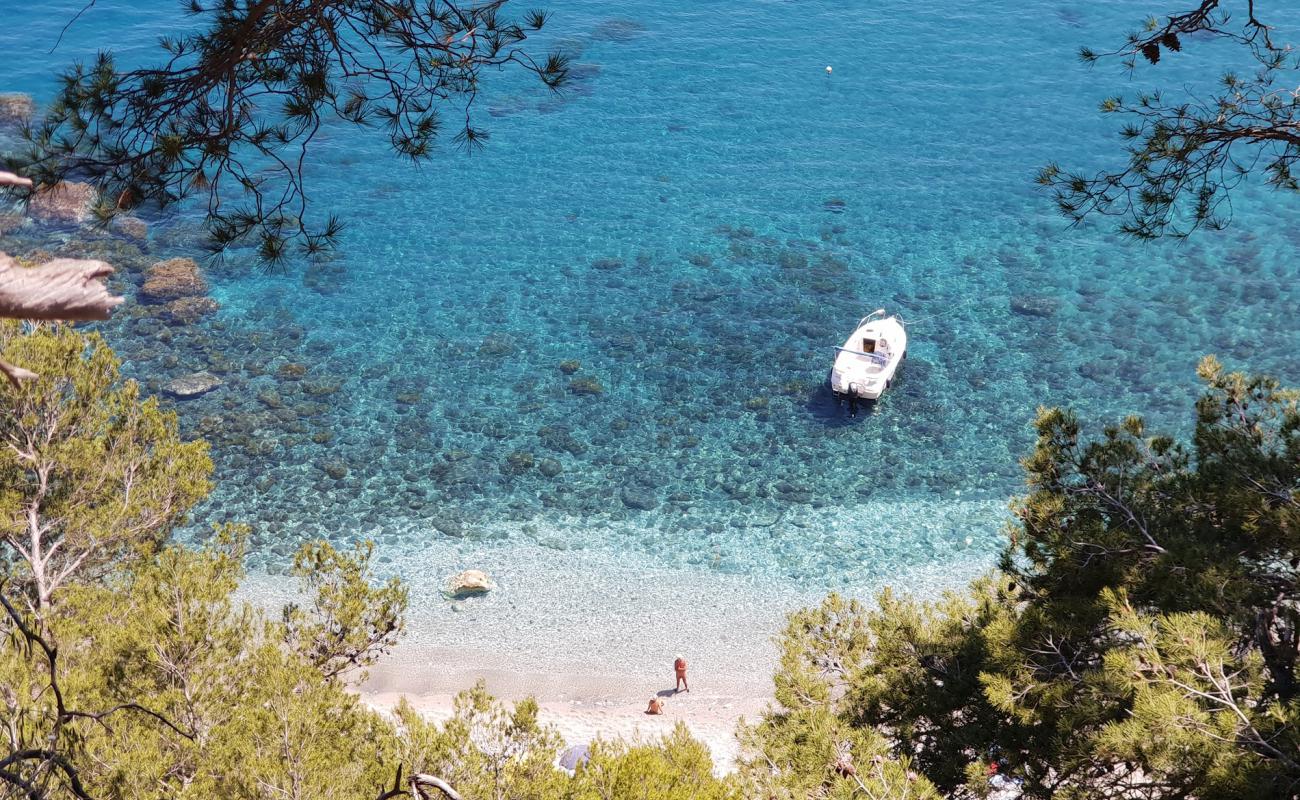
(128, 669)
(1139, 637)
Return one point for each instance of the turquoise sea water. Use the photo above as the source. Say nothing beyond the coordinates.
(697, 222)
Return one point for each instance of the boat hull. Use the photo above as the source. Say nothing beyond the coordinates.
(865, 367)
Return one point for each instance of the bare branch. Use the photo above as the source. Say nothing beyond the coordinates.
(62, 289)
(420, 781)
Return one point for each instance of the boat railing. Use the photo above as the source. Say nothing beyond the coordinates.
(879, 313)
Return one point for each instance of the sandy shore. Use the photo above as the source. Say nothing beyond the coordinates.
(582, 707)
(592, 635)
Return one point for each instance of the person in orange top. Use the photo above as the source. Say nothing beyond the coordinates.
(679, 666)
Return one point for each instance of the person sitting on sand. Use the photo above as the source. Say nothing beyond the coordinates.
(656, 706)
(679, 666)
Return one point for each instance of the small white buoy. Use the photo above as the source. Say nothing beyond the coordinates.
(969, 541)
(828, 70)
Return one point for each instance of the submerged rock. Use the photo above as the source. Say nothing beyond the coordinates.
(192, 385)
(16, 108)
(518, 462)
(1031, 305)
(270, 399)
(639, 499)
(448, 527)
(171, 280)
(617, 30)
(132, 228)
(189, 310)
(469, 583)
(497, 344)
(66, 203)
(586, 386)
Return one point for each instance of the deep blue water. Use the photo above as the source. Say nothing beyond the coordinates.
(668, 224)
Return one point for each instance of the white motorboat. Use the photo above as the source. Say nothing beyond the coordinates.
(865, 366)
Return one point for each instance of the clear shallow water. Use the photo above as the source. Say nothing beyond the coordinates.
(697, 222)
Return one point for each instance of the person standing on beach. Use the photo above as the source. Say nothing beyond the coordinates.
(679, 666)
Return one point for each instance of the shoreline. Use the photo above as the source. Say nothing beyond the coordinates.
(592, 635)
(581, 707)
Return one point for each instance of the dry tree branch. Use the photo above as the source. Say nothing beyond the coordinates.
(420, 780)
(62, 289)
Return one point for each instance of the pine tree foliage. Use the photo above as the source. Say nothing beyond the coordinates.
(1187, 151)
(231, 113)
(673, 767)
(231, 711)
(351, 622)
(89, 472)
(487, 749)
(811, 745)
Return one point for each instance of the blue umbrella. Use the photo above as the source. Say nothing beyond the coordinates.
(574, 757)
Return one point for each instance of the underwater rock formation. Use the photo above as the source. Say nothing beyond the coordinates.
(1031, 305)
(65, 203)
(171, 280)
(188, 310)
(586, 386)
(192, 385)
(132, 228)
(16, 108)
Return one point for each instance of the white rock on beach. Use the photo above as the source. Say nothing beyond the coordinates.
(470, 582)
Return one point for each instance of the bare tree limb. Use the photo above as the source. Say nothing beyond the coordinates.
(62, 289)
(397, 790)
(421, 780)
